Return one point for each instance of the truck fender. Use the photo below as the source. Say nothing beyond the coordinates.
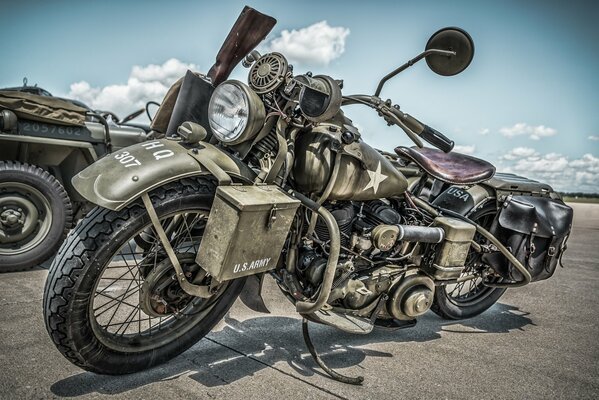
(119, 178)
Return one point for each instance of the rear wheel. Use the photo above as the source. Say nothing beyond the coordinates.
(470, 298)
(35, 216)
(114, 307)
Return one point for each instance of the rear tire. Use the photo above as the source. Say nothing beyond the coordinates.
(35, 216)
(477, 298)
(95, 245)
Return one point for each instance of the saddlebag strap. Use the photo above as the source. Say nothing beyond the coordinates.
(530, 249)
(551, 252)
(562, 250)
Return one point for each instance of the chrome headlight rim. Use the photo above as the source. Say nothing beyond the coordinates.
(256, 114)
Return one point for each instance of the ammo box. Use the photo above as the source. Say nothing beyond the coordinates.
(246, 231)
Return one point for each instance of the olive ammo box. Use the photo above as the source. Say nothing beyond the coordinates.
(246, 231)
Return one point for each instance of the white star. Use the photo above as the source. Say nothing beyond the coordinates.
(375, 179)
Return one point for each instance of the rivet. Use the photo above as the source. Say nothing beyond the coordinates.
(135, 178)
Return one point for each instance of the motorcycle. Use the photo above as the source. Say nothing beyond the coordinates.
(272, 178)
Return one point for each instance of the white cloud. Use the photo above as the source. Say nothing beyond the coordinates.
(519, 152)
(464, 149)
(319, 43)
(559, 171)
(484, 131)
(551, 162)
(588, 163)
(534, 132)
(594, 137)
(145, 83)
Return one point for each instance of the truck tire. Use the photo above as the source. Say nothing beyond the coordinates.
(35, 216)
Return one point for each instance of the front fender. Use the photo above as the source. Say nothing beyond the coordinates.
(119, 178)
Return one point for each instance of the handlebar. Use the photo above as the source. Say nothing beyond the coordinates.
(437, 139)
(429, 134)
(410, 125)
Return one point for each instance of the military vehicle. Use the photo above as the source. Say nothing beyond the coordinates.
(271, 178)
(44, 142)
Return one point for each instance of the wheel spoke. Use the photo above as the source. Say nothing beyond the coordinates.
(119, 304)
(115, 281)
(114, 304)
(114, 299)
(128, 320)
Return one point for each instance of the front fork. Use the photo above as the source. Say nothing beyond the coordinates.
(189, 288)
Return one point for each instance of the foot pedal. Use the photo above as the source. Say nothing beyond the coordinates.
(394, 324)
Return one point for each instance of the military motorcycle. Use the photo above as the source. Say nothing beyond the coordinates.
(45, 141)
(271, 178)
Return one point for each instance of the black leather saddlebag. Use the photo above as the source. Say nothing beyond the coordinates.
(535, 230)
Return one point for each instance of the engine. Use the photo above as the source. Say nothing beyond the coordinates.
(386, 248)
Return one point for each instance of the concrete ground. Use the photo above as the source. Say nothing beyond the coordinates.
(537, 342)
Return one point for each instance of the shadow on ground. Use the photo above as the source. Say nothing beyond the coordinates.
(241, 349)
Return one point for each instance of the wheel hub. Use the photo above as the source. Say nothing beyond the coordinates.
(19, 218)
(161, 295)
(11, 218)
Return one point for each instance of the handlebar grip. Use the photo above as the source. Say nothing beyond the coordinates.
(437, 139)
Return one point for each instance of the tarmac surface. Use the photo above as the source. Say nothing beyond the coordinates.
(537, 342)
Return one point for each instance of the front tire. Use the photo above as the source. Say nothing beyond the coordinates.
(469, 298)
(100, 278)
(35, 216)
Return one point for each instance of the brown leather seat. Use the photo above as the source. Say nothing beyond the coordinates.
(451, 167)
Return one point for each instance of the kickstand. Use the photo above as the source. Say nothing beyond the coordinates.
(335, 375)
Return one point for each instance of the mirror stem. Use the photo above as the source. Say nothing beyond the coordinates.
(409, 64)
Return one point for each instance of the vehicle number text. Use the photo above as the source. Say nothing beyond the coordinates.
(127, 159)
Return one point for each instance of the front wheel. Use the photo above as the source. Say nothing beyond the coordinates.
(114, 307)
(469, 298)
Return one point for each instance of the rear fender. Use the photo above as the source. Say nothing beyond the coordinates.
(121, 177)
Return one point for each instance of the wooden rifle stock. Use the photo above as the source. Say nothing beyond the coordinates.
(249, 30)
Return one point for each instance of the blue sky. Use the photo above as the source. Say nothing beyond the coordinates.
(528, 102)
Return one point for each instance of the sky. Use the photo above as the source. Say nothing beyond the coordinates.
(528, 103)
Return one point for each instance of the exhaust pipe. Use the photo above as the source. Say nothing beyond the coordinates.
(424, 234)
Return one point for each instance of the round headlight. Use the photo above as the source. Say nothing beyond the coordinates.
(235, 112)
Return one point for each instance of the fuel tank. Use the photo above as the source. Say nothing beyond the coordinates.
(364, 174)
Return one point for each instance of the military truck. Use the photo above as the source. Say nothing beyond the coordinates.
(45, 141)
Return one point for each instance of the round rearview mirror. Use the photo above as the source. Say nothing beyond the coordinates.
(450, 39)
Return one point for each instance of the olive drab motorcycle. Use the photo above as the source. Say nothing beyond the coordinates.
(270, 177)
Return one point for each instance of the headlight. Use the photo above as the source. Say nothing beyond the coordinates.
(235, 112)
